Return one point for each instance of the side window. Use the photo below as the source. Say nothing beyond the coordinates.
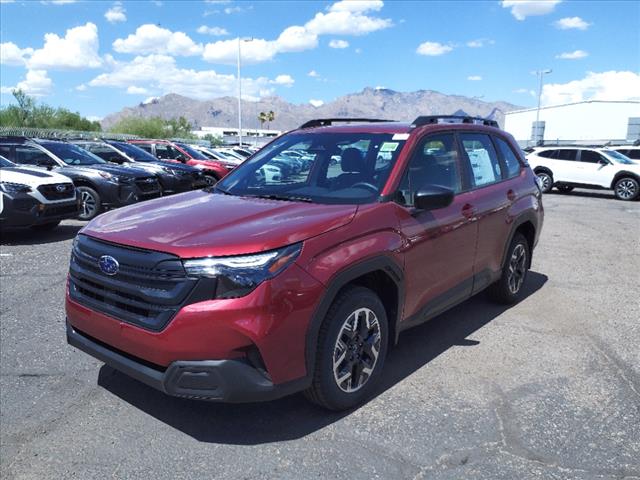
(633, 154)
(589, 156)
(482, 157)
(144, 146)
(548, 154)
(162, 151)
(5, 151)
(103, 152)
(567, 154)
(510, 158)
(31, 156)
(435, 162)
(174, 152)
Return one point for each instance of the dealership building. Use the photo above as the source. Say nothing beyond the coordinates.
(588, 122)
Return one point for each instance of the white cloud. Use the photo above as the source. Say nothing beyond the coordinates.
(78, 49)
(313, 74)
(612, 85)
(150, 39)
(575, 55)
(348, 18)
(339, 44)
(522, 9)
(569, 23)
(525, 90)
(479, 43)
(226, 51)
(474, 78)
(159, 73)
(215, 31)
(81, 88)
(296, 39)
(94, 118)
(133, 90)
(36, 84)
(316, 103)
(433, 49)
(116, 13)
(57, 2)
(11, 54)
(285, 80)
(356, 6)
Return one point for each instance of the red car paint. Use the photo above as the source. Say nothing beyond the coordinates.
(211, 166)
(437, 252)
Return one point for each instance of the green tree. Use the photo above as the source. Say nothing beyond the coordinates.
(271, 116)
(262, 116)
(213, 140)
(154, 127)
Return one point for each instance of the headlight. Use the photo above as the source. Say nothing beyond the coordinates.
(13, 188)
(238, 275)
(199, 167)
(170, 171)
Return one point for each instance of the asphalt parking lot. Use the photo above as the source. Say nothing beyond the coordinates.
(549, 388)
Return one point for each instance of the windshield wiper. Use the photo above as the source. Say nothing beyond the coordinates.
(288, 198)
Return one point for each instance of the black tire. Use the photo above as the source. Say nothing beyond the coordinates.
(210, 180)
(508, 289)
(564, 188)
(90, 202)
(45, 227)
(626, 188)
(325, 389)
(546, 181)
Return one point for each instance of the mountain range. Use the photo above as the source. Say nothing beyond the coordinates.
(369, 103)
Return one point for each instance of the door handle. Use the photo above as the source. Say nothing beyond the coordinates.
(468, 211)
(511, 195)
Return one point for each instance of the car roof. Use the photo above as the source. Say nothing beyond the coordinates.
(377, 127)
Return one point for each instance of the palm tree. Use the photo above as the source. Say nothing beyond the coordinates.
(263, 117)
(271, 116)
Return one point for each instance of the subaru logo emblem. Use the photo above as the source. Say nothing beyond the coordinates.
(60, 188)
(108, 265)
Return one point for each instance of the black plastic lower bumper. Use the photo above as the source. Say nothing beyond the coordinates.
(214, 380)
(25, 211)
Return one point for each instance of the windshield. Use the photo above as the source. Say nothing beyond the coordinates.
(71, 154)
(619, 157)
(192, 152)
(138, 154)
(6, 163)
(345, 168)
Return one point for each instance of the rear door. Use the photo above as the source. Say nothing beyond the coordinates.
(439, 244)
(494, 191)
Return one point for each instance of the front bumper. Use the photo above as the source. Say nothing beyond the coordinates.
(233, 380)
(23, 210)
(114, 195)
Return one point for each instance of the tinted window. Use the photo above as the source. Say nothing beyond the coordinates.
(482, 157)
(4, 163)
(435, 162)
(135, 151)
(103, 151)
(144, 146)
(567, 154)
(72, 154)
(5, 151)
(548, 153)
(589, 156)
(168, 152)
(510, 158)
(633, 154)
(192, 151)
(32, 156)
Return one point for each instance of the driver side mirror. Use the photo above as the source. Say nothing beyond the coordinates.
(433, 197)
(603, 162)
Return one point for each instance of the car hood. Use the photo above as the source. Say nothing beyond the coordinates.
(31, 177)
(110, 168)
(200, 224)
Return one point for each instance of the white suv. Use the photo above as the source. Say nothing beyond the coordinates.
(569, 167)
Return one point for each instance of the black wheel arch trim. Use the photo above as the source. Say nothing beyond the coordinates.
(624, 174)
(380, 262)
(520, 220)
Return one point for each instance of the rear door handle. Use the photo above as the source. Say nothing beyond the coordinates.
(468, 211)
(511, 195)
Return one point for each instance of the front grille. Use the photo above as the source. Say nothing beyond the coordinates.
(148, 289)
(147, 185)
(58, 191)
(55, 211)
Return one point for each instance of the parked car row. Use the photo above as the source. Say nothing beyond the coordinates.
(103, 175)
(566, 168)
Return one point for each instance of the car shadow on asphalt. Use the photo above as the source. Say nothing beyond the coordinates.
(604, 194)
(294, 417)
(26, 236)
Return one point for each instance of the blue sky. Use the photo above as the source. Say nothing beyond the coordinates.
(97, 57)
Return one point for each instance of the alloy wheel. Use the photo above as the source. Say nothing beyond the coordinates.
(356, 350)
(87, 205)
(517, 268)
(626, 189)
(545, 182)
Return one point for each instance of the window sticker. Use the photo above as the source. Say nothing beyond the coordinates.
(389, 146)
(400, 136)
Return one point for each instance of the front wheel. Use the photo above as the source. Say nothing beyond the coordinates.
(627, 188)
(352, 346)
(90, 203)
(508, 289)
(210, 180)
(545, 181)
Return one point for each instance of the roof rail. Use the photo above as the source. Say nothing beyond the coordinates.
(434, 119)
(326, 122)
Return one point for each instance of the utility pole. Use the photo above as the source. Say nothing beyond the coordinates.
(240, 97)
(540, 74)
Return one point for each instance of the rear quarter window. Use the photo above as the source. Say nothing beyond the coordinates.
(510, 158)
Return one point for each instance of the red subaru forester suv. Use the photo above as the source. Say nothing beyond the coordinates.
(267, 285)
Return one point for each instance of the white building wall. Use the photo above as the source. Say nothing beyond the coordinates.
(590, 121)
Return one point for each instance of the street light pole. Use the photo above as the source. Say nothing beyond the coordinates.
(239, 98)
(540, 74)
